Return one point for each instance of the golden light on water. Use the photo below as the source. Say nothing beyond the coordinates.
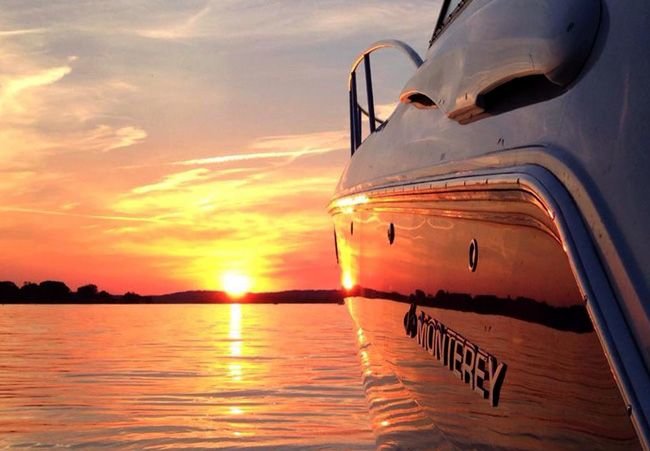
(235, 372)
(234, 330)
(235, 284)
(234, 334)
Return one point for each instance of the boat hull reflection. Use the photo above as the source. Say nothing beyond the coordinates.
(472, 330)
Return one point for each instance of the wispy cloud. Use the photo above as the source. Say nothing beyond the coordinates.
(75, 215)
(24, 31)
(269, 21)
(125, 137)
(326, 140)
(173, 181)
(250, 156)
(13, 87)
(186, 28)
(294, 146)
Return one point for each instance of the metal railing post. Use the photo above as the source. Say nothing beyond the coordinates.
(356, 125)
(359, 126)
(353, 112)
(351, 123)
(371, 101)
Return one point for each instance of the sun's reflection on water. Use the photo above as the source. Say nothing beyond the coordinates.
(235, 321)
(235, 371)
(234, 331)
(234, 334)
(235, 337)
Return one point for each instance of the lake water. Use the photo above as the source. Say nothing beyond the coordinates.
(181, 376)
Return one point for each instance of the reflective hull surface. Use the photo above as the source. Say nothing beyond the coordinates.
(472, 330)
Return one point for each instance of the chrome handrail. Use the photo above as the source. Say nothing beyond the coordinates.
(355, 109)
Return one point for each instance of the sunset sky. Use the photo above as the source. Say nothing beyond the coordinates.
(154, 146)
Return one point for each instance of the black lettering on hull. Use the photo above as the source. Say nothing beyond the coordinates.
(467, 361)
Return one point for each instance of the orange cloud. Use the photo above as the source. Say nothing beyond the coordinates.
(248, 220)
(105, 138)
(12, 87)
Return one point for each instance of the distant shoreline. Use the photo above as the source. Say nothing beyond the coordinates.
(120, 302)
(55, 292)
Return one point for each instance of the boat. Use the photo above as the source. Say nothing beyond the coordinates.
(492, 232)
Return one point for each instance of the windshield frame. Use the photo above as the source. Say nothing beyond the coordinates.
(445, 17)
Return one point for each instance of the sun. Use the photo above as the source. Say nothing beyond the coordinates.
(235, 284)
(347, 281)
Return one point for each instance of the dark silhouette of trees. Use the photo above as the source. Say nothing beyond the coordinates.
(49, 291)
(9, 291)
(104, 296)
(46, 291)
(53, 290)
(30, 291)
(87, 292)
(131, 297)
(56, 292)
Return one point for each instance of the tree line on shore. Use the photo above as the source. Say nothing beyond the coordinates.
(54, 291)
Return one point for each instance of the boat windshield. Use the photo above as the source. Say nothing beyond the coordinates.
(451, 6)
(446, 14)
